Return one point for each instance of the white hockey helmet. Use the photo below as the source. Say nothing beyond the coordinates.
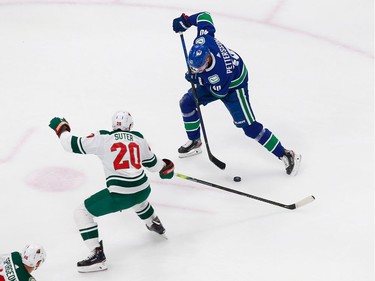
(33, 255)
(122, 120)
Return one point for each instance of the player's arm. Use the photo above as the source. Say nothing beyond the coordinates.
(71, 143)
(203, 21)
(151, 162)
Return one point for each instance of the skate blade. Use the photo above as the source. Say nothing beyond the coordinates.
(297, 162)
(92, 268)
(192, 152)
(164, 236)
(161, 235)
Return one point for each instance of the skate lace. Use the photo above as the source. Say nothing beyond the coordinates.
(188, 143)
(156, 221)
(288, 160)
(92, 255)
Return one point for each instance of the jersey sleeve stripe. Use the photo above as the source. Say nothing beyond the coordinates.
(205, 17)
(236, 82)
(150, 162)
(76, 144)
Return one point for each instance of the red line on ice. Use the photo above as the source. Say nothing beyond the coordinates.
(14, 151)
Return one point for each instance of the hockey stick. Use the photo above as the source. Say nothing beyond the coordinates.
(299, 204)
(212, 158)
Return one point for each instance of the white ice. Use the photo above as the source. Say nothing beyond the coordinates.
(311, 82)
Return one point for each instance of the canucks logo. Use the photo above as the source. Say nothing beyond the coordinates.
(200, 40)
(214, 79)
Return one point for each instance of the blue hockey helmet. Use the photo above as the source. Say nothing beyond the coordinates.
(198, 58)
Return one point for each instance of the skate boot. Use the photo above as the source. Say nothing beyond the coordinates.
(291, 161)
(192, 147)
(157, 227)
(94, 262)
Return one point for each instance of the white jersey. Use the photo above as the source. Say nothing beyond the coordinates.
(12, 268)
(123, 155)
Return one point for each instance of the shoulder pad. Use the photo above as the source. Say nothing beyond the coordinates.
(138, 134)
(104, 132)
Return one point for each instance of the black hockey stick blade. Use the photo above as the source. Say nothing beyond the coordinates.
(216, 161)
(299, 204)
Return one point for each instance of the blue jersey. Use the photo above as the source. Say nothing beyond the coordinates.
(227, 71)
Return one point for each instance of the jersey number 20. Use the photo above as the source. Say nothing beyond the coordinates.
(134, 153)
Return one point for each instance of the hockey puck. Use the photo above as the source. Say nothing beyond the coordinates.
(237, 179)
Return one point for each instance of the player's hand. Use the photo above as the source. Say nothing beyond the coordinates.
(59, 125)
(181, 23)
(192, 77)
(168, 170)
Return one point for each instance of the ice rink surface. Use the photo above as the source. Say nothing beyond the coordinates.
(311, 81)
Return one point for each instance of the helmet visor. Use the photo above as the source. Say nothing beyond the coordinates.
(199, 69)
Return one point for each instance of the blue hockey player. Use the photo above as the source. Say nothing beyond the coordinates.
(219, 73)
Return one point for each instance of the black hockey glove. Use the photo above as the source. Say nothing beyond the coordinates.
(59, 125)
(181, 23)
(192, 78)
(168, 170)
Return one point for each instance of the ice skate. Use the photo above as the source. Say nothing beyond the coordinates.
(191, 148)
(292, 161)
(157, 227)
(94, 262)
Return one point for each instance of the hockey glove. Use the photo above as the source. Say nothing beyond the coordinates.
(192, 78)
(59, 125)
(168, 169)
(181, 23)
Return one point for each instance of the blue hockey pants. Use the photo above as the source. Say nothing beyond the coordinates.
(238, 104)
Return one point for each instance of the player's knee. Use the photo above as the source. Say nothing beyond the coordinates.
(82, 217)
(253, 130)
(187, 103)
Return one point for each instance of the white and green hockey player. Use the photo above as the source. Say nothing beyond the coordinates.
(18, 266)
(124, 154)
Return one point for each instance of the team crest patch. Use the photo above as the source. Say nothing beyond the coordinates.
(200, 40)
(214, 79)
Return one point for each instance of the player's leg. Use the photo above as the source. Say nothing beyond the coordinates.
(191, 120)
(145, 212)
(192, 123)
(239, 106)
(97, 205)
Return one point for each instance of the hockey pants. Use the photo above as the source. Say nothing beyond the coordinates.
(238, 104)
(105, 202)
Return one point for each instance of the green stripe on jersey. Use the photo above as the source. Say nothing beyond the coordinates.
(217, 95)
(76, 144)
(205, 17)
(127, 182)
(235, 83)
(149, 162)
